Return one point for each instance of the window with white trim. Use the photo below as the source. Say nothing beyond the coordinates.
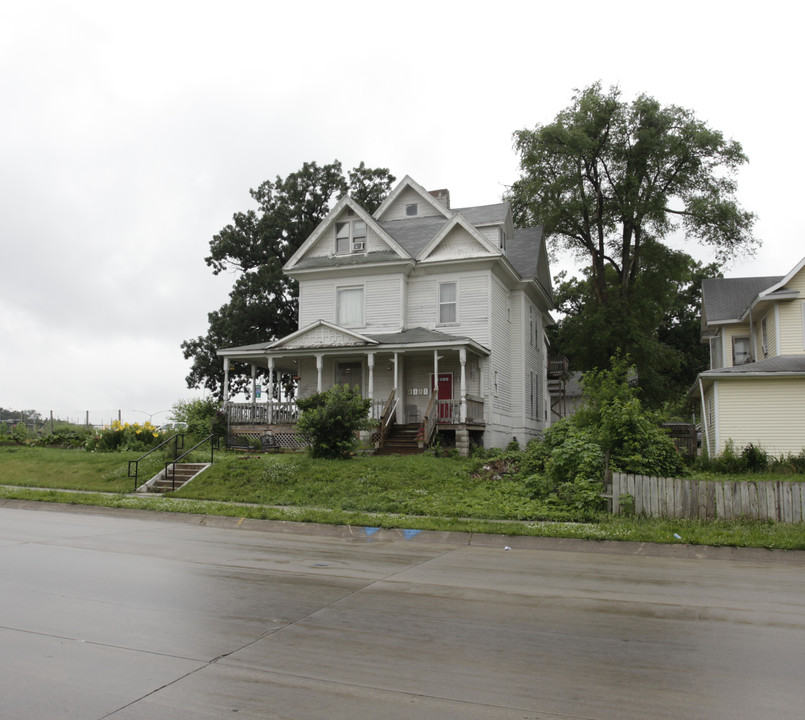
(448, 303)
(349, 307)
(741, 350)
(350, 237)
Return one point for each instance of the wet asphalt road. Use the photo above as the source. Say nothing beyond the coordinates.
(115, 614)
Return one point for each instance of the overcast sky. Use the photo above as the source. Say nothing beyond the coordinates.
(131, 133)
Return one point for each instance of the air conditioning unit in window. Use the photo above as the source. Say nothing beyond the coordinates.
(358, 246)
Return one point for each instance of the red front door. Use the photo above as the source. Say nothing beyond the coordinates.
(445, 390)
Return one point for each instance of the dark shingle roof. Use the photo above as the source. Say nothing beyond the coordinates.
(485, 214)
(412, 234)
(771, 366)
(345, 260)
(727, 298)
(415, 336)
(523, 251)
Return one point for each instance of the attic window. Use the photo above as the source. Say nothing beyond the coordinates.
(412, 209)
(350, 237)
(503, 241)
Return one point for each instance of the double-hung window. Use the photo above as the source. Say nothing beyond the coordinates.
(448, 303)
(741, 350)
(349, 306)
(350, 237)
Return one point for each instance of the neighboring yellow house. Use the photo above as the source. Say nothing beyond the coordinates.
(754, 391)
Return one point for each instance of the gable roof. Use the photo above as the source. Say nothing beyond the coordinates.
(458, 220)
(725, 300)
(416, 238)
(779, 287)
(405, 183)
(729, 300)
(344, 203)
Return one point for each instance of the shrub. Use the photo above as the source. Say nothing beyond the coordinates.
(331, 419)
(202, 415)
(122, 437)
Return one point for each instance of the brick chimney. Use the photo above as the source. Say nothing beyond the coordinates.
(443, 196)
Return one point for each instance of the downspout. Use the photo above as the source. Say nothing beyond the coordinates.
(704, 417)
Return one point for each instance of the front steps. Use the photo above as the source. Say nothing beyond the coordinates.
(161, 482)
(401, 440)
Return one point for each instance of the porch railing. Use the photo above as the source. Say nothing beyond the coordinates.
(449, 411)
(277, 413)
(287, 413)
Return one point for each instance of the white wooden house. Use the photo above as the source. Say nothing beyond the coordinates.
(434, 313)
(754, 391)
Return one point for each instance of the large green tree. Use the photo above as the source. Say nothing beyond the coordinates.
(660, 324)
(610, 180)
(263, 302)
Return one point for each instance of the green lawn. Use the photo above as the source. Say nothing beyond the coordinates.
(410, 485)
(418, 492)
(69, 469)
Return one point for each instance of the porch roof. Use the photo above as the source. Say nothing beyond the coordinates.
(417, 338)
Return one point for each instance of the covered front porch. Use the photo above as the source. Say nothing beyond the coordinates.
(419, 376)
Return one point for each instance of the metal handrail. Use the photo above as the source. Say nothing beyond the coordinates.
(212, 437)
(136, 463)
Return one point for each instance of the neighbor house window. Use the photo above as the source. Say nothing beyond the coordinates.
(531, 323)
(447, 303)
(349, 305)
(350, 237)
(740, 350)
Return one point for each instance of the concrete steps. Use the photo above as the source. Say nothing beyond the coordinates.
(185, 472)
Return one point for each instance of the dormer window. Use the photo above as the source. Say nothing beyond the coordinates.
(350, 237)
(503, 241)
(412, 209)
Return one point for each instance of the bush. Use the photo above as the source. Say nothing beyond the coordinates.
(330, 421)
(202, 415)
(121, 437)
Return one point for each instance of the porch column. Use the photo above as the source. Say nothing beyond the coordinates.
(270, 392)
(399, 413)
(370, 362)
(319, 367)
(254, 391)
(462, 358)
(435, 387)
(226, 380)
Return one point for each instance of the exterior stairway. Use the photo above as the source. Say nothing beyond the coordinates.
(185, 472)
(401, 440)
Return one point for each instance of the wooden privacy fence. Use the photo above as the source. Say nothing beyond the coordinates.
(777, 500)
